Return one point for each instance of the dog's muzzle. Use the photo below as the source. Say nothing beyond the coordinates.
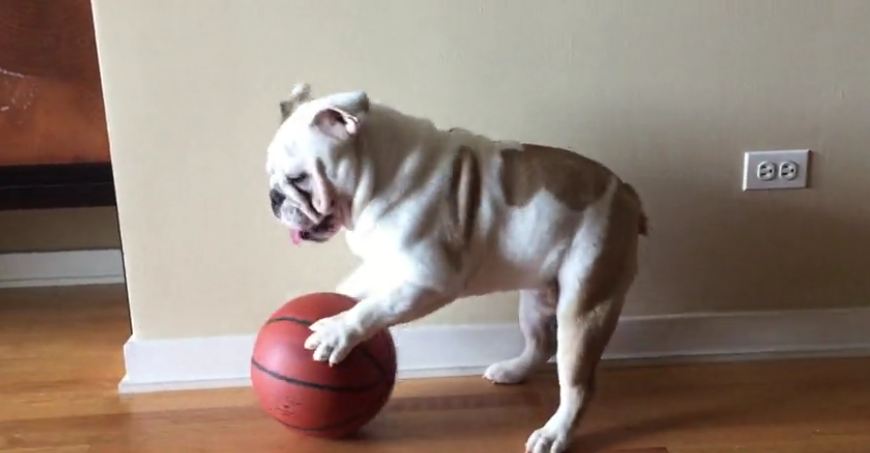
(302, 229)
(277, 198)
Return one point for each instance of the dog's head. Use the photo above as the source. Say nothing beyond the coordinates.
(311, 162)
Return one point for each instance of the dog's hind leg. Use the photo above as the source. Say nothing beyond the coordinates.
(537, 313)
(593, 281)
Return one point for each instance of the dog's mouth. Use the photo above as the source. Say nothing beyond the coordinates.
(318, 233)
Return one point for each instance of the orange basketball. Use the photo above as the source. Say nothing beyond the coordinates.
(309, 396)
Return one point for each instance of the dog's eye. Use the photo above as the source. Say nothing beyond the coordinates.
(296, 180)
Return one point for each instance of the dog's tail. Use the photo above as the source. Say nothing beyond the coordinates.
(643, 222)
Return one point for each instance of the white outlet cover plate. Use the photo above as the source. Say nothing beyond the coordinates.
(751, 160)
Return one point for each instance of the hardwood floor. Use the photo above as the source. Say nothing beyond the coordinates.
(60, 360)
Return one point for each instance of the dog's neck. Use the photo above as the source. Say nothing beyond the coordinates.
(391, 148)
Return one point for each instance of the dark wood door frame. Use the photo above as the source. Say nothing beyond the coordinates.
(53, 142)
(56, 186)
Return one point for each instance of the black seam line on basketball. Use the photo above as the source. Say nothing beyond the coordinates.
(315, 385)
(338, 424)
(304, 322)
(376, 363)
(365, 351)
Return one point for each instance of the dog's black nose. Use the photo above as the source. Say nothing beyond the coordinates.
(277, 199)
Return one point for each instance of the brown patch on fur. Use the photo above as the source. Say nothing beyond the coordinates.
(617, 256)
(574, 180)
(463, 203)
(465, 191)
(643, 222)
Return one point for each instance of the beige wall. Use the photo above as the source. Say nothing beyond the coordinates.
(41, 230)
(668, 93)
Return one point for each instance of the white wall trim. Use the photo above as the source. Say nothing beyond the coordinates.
(79, 267)
(428, 351)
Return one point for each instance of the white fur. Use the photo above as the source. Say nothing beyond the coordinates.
(386, 171)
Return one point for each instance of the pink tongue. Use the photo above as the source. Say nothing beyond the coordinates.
(295, 237)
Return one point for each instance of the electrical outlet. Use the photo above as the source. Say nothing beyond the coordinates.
(766, 171)
(789, 170)
(782, 169)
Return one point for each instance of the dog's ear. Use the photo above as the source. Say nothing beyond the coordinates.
(342, 114)
(300, 94)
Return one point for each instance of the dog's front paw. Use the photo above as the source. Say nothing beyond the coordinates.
(332, 339)
(547, 440)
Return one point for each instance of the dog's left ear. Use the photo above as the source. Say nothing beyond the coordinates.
(342, 115)
(300, 94)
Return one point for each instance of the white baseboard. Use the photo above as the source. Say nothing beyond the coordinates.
(429, 351)
(80, 267)
(186, 363)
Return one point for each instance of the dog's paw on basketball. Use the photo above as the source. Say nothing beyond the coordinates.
(332, 339)
(311, 397)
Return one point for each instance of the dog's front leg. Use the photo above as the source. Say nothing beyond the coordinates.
(333, 338)
(356, 285)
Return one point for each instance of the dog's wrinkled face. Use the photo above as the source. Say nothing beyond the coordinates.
(307, 162)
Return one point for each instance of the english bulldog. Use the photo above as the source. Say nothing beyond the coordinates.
(436, 215)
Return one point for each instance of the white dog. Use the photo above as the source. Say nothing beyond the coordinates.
(440, 214)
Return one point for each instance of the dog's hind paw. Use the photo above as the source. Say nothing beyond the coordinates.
(513, 371)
